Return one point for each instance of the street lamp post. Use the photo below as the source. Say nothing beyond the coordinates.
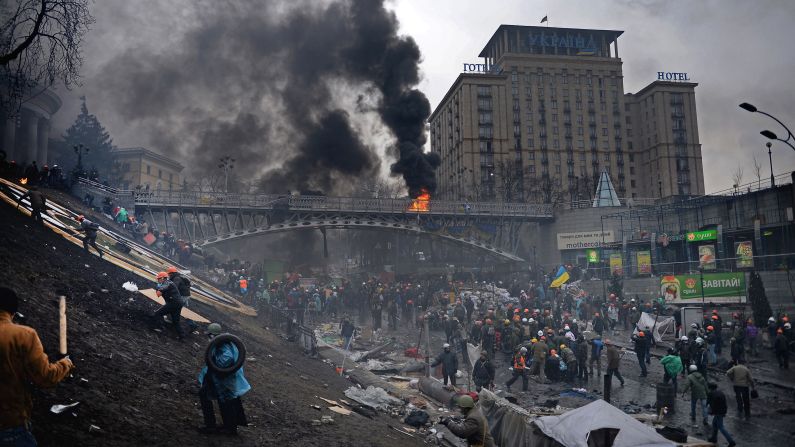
(227, 163)
(770, 157)
(751, 108)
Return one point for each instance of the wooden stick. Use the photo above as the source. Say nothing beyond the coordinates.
(62, 312)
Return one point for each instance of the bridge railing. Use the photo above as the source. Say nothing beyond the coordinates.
(347, 204)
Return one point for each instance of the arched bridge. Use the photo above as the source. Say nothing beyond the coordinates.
(211, 218)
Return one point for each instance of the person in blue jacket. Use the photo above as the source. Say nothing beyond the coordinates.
(226, 390)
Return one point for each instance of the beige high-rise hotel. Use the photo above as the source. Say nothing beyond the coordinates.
(545, 113)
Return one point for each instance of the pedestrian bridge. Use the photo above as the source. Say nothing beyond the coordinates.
(206, 218)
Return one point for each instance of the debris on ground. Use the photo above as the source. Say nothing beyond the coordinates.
(58, 409)
(373, 397)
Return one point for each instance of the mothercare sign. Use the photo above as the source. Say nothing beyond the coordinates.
(585, 239)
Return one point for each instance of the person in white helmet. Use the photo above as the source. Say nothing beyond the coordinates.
(697, 385)
(449, 362)
(700, 356)
(683, 349)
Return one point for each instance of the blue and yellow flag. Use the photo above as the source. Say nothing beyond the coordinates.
(560, 278)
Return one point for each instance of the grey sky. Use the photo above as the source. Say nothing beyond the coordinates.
(736, 50)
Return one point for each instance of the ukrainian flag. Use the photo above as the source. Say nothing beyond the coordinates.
(560, 278)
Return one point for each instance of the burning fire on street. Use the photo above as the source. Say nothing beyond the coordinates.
(421, 204)
(23, 181)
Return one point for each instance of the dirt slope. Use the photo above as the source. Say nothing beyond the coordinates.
(139, 384)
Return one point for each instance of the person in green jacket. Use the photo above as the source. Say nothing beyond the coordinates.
(673, 367)
(697, 385)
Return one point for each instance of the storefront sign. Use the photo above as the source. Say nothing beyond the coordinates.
(644, 262)
(616, 264)
(745, 254)
(717, 288)
(593, 256)
(706, 257)
(587, 239)
(698, 236)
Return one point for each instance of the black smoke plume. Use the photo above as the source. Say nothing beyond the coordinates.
(270, 84)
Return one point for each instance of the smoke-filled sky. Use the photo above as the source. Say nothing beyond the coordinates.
(269, 82)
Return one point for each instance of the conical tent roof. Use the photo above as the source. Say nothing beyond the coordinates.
(605, 193)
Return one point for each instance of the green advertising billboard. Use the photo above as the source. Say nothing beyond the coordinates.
(717, 288)
(698, 236)
(592, 255)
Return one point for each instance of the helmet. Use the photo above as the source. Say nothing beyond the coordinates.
(699, 341)
(80, 218)
(694, 325)
(531, 320)
(516, 311)
(171, 269)
(161, 275)
(523, 350)
(466, 401)
(534, 340)
(683, 338)
(567, 328)
(693, 368)
(527, 310)
(544, 338)
(562, 346)
(714, 317)
(787, 325)
(710, 328)
(507, 322)
(612, 295)
(446, 345)
(714, 311)
(574, 320)
(771, 320)
(641, 334)
(524, 320)
(214, 329)
(540, 333)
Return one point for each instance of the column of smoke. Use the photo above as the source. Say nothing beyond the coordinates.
(259, 83)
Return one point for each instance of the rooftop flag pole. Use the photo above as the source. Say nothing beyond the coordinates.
(545, 19)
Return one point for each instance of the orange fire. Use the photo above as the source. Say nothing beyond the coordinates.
(421, 203)
(23, 181)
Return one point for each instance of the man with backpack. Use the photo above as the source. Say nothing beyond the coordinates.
(90, 229)
(183, 286)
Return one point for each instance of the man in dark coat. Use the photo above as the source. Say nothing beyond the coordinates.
(449, 362)
(483, 372)
(38, 203)
(641, 348)
(173, 307)
(716, 401)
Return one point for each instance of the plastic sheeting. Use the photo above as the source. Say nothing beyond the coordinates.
(373, 397)
(661, 327)
(573, 428)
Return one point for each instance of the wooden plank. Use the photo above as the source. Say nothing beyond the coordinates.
(340, 410)
(185, 313)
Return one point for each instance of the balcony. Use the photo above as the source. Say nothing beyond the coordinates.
(677, 101)
(620, 162)
(544, 161)
(570, 162)
(595, 163)
(677, 114)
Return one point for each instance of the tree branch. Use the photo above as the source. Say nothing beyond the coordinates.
(6, 58)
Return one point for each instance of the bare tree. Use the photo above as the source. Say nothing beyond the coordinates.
(39, 46)
(509, 182)
(737, 177)
(758, 172)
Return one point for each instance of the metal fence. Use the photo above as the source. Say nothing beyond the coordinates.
(337, 204)
(288, 322)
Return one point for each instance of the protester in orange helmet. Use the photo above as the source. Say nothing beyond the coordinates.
(641, 348)
(174, 302)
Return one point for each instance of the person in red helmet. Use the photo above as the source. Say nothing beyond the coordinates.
(174, 302)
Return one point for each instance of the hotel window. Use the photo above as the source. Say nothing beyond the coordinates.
(579, 119)
(515, 91)
(557, 169)
(170, 178)
(554, 130)
(628, 120)
(159, 173)
(528, 91)
(532, 169)
(484, 118)
(579, 105)
(607, 156)
(485, 146)
(484, 90)
(579, 131)
(484, 103)
(148, 170)
(517, 130)
(531, 155)
(631, 157)
(582, 156)
(553, 91)
(554, 104)
(603, 107)
(580, 144)
(485, 132)
(530, 142)
(632, 183)
(554, 117)
(556, 144)
(604, 131)
(604, 119)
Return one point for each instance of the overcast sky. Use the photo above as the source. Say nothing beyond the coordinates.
(736, 50)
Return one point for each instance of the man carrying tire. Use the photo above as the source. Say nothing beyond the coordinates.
(222, 379)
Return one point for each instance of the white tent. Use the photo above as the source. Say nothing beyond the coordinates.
(573, 428)
(660, 326)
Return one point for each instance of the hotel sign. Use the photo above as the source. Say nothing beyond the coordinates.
(670, 76)
(482, 68)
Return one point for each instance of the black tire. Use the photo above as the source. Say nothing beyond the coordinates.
(241, 358)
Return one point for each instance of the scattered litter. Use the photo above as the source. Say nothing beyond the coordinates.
(94, 429)
(303, 377)
(459, 374)
(58, 409)
(340, 410)
(415, 383)
(83, 381)
(417, 418)
(377, 365)
(316, 422)
(87, 266)
(373, 397)
(130, 286)
(316, 407)
(104, 290)
(326, 420)
(328, 401)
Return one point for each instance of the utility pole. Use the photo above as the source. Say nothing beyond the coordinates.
(227, 163)
(770, 157)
